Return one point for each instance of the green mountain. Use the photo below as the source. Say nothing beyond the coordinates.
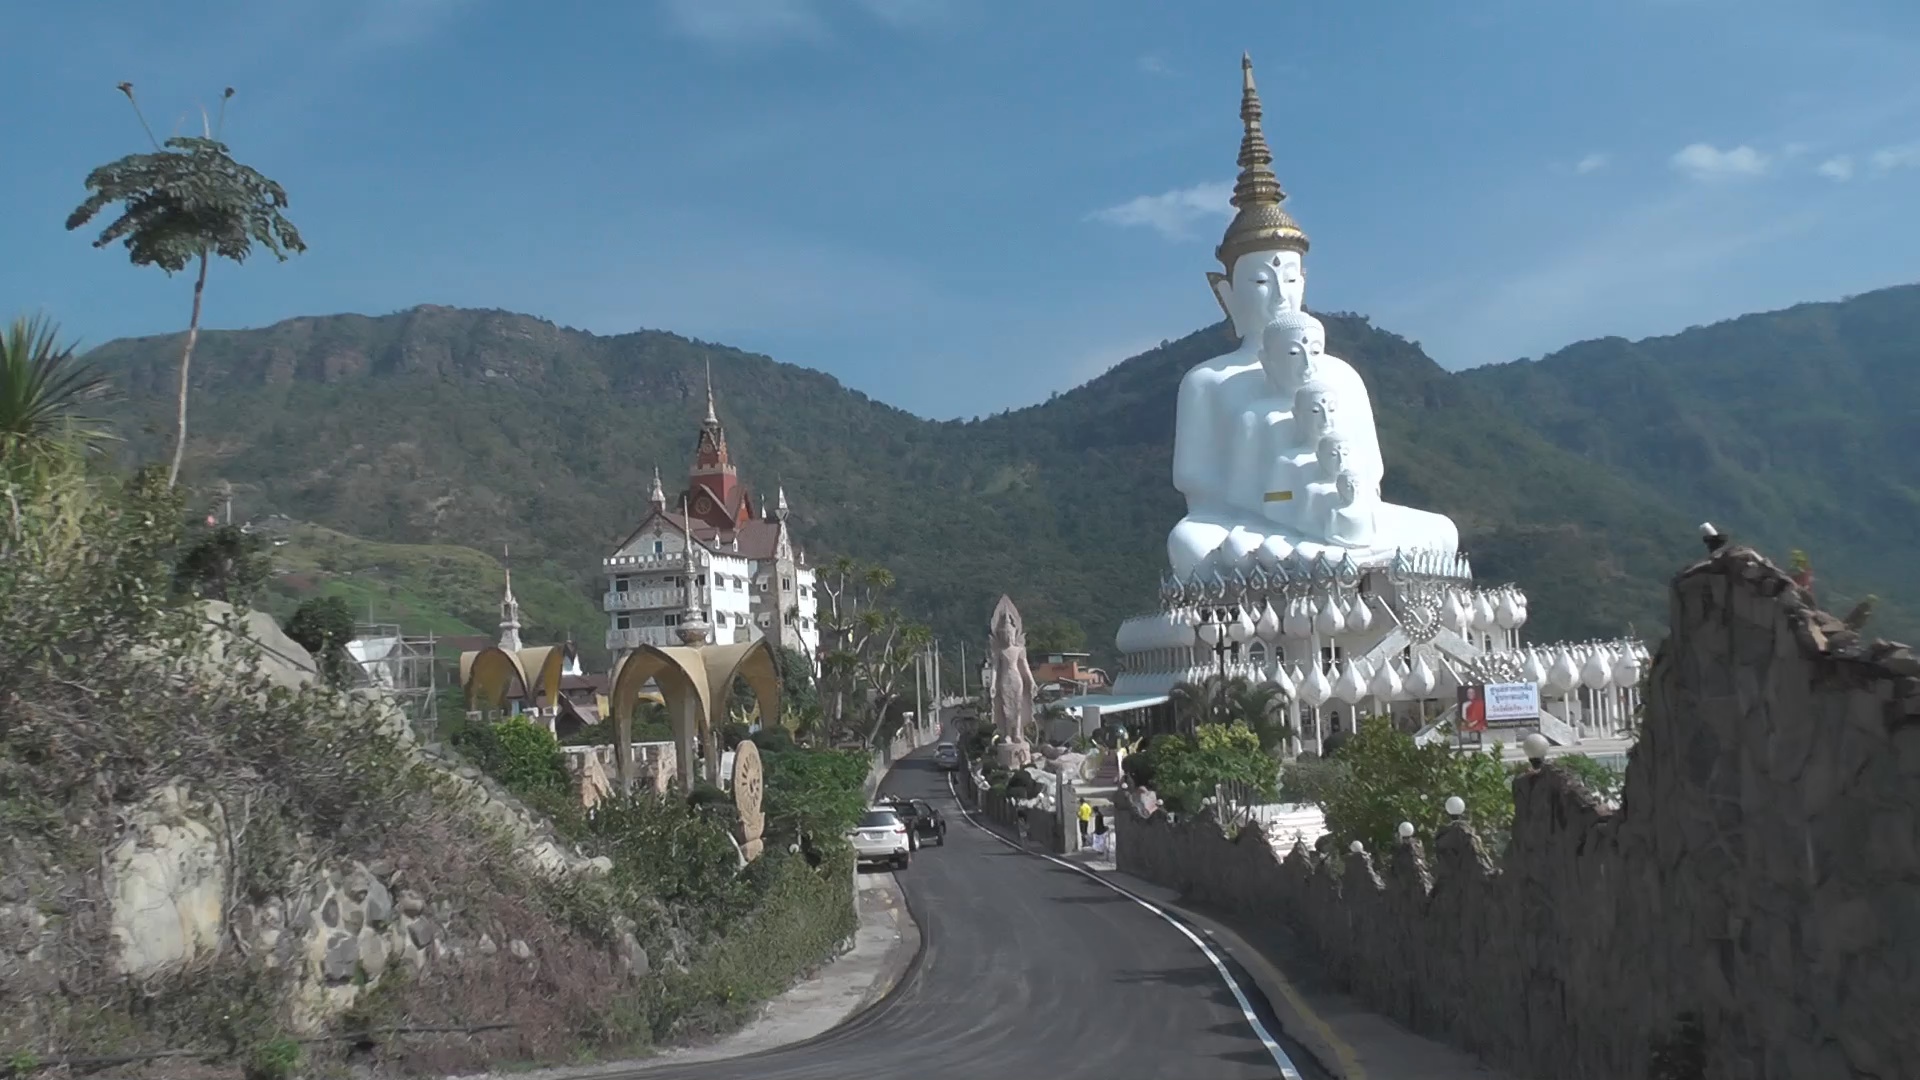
(1580, 476)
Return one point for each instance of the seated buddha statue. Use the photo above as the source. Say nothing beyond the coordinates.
(1233, 426)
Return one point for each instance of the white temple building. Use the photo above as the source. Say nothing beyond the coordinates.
(748, 577)
(1289, 568)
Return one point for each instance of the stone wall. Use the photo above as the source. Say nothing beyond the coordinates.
(1757, 895)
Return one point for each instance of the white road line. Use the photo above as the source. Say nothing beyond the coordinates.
(1280, 1058)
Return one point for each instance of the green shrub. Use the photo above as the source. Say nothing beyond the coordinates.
(524, 758)
(814, 796)
(801, 917)
(1382, 778)
(275, 1059)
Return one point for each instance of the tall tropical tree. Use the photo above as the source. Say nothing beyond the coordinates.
(1234, 699)
(180, 205)
(1262, 707)
(45, 393)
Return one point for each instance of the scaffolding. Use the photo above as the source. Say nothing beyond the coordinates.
(403, 666)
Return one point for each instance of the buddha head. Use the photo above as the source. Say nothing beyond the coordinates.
(1287, 351)
(1263, 286)
(1263, 251)
(1332, 454)
(1313, 413)
(1347, 485)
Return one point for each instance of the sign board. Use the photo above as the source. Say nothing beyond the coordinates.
(1511, 704)
(1499, 705)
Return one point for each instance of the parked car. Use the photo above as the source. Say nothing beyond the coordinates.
(947, 756)
(924, 823)
(882, 837)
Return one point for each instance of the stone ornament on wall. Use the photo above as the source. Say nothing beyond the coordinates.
(749, 789)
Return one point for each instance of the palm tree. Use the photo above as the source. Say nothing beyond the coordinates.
(1263, 707)
(44, 392)
(1234, 699)
(182, 204)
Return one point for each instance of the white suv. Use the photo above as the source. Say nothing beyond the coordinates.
(881, 837)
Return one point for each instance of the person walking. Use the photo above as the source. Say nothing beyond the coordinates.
(1099, 831)
(1086, 821)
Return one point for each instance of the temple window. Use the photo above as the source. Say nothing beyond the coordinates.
(659, 547)
(622, 622)
(673, 620)
(1257, 652)
(620, 585)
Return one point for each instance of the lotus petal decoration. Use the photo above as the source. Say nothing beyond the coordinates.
(1329, 619)
(1277, 676)
(1359, 616)
(1350, 686)
(1314, 687)
(1507, 613)
(1484, 617)
(1626, 673)
(1385, 684)
(1420, 678)
(1563, 673)
(1597, 672)
(1268, 625)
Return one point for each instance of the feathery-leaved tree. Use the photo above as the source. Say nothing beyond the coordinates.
(180, 205)
(868, 647)
(44, 394)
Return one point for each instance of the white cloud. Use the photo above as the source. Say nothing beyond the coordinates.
(1837, 168)
(1171, 213)
(1591, 163)
(744, 21)
(1888, 159)
(1704, 161)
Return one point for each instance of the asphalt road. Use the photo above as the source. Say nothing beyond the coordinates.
(1030, 969)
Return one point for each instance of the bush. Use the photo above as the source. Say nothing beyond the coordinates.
(1382, 778)
(1599, 778)
(523, 758)
(814, 796)
(800, 920)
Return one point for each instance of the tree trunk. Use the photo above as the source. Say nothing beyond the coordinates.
(186, 361)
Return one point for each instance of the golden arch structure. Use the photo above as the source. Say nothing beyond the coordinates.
(492, 675)
(695, 683)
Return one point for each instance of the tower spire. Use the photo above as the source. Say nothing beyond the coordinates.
(712, 417)
(1259, 224)
(657, 498)
(509, 607)
(693, 620)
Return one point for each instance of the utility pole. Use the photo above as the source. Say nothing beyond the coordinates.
(963, 667)
(919, 706)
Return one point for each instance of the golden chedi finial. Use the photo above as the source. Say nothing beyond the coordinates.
(1259, 224)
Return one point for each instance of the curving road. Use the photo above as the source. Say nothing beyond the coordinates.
(1032, 969)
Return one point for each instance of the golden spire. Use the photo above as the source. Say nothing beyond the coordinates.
(712, 417)
(1259, 224)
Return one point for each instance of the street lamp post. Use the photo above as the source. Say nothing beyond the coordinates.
(1224, 631)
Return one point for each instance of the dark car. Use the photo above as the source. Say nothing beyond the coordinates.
(924, 823)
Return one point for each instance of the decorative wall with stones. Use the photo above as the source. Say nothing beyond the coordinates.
(1754, 901)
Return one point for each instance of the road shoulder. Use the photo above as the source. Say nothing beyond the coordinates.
(885, 943)
(1348, 1041)
(884, 946)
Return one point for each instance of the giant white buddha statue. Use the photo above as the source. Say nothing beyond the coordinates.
(1252, 424)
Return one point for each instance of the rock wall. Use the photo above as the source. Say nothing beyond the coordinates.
(1754, 902)
(170, 904)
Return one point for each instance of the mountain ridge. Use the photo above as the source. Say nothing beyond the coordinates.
(484, 427)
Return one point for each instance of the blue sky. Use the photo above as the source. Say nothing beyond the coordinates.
(959, 206)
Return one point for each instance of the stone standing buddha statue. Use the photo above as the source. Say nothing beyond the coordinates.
(1249, 424)
(1013, 684)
